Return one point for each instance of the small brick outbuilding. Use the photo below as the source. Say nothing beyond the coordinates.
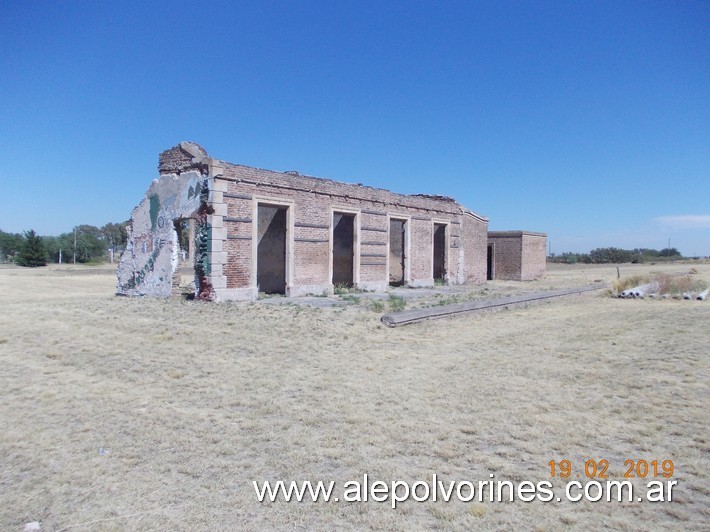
(516, 255)
(255, 230)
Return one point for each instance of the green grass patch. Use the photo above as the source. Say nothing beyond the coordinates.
(397, 303)
(377, 306)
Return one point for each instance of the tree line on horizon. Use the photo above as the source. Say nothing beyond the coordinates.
(90, 244)
(616, 256)
(85, 244)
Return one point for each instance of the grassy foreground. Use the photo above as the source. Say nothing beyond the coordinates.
(139, 414)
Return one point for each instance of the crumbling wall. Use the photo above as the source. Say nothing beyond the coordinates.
(152, 251)
(183, 157)
(311, 245)
(233, 253)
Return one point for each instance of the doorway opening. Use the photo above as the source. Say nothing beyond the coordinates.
(271, 249)
(489, 263)
(398, 256)
(185, 231)
(439, 252)
(343, 249)
(184, 273)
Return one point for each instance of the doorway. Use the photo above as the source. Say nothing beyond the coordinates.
(184, 234)
(397, 254)
(489, 263)
(439, 249)
(271, 249)
(343, 249)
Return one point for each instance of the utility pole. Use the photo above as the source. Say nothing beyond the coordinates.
(75, 245)
(60, 255)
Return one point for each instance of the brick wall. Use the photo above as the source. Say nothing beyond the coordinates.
(183, 157)
(534, 256)
(474, 235)
(238, 190)
(421, 242)
(225, 199)
(507, 257)
(518, 255)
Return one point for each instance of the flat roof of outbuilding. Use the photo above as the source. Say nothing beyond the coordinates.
(495, 234)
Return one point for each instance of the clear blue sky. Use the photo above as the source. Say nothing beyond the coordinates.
(586, 120)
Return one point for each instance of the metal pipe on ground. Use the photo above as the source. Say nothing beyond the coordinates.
(702, 295)
(641, 290)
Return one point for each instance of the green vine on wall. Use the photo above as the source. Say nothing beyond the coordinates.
(203, 245)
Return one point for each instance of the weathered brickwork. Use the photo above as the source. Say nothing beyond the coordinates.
(473, 239)
(183, 157)
(518, 255)
(260, 230)
(311, 204)
(534, 256)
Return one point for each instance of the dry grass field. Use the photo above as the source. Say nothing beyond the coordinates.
(191, 402)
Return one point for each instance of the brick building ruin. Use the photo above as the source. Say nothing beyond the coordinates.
(254, 230)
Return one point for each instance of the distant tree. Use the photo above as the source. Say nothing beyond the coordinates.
(115, 235)
(669, 252)
(615, 255)
(569, 258)
(90, 243)
(60, 245)
(51, 244)
(611, 255)
(10, 244)
(33, 252)
(182, 227)
(647, 253)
